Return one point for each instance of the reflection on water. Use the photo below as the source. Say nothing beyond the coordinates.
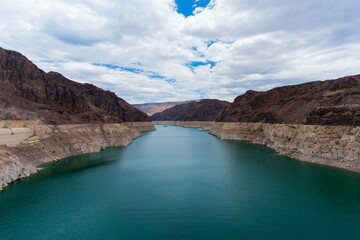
(78, 163)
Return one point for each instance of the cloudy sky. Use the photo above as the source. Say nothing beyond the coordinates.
(162, 50)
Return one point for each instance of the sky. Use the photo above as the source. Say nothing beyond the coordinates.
(174, 50)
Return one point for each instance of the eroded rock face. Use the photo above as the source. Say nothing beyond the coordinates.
(337, 146)
(204, 110)
(27, 92)
(11, 168)
(331, 102)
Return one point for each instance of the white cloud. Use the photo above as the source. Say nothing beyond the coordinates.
(256, 44)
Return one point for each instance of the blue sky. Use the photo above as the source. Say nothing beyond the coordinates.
(173, 50)
(187, 7)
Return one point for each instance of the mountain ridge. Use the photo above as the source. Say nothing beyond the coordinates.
(152, 108)
(203, 110)
(330, 102)
(27, 92)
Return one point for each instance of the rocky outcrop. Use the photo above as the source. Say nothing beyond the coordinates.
(28, 93)
(11, 168)
(204, 110)
(52, 142)
(337, 146)
(331, 102)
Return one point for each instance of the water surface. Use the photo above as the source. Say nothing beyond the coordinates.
(179, 183)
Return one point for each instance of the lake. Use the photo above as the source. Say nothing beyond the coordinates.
(182, 183)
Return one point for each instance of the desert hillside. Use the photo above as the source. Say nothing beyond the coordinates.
(152, 108)
(204, 110)
(29, 93)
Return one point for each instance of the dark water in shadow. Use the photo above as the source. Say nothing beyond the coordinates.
(179, 183)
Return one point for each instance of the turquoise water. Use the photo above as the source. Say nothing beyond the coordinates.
(179, 183)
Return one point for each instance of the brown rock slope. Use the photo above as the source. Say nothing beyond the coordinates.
(204, 110)
(27, 92)
(331, 102)
(152, 108)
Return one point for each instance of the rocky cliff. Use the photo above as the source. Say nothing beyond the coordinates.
(28, 93)
(331, 102)
(52, 142)
(203, 110)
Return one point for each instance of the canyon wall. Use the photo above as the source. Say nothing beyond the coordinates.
(337, 146)
(52, 142)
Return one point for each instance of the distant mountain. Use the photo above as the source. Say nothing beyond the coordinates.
(152, 108)
(203, 110)
(27, 92)
(331, 102)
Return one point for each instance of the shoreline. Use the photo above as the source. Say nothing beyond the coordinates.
(53, 142)
(335, 146)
